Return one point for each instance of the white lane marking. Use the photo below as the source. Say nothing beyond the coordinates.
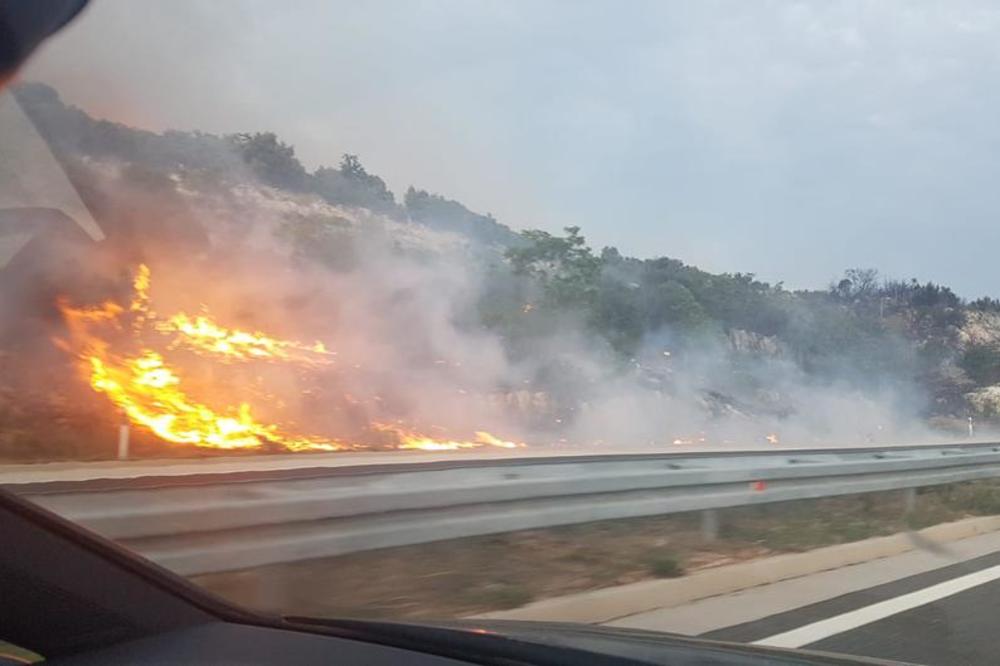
(837, 624)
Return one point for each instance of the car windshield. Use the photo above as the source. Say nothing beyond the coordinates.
(678, 316)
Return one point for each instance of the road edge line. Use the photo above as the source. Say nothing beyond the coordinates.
(838, 624)
(610, 603)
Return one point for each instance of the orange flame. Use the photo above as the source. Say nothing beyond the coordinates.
(203, 335)
(150, 393)
(412, 440)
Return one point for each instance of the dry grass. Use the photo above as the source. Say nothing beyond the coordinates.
(466, 576)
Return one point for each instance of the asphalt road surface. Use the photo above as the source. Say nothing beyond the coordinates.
(948, 616)
(940, 608)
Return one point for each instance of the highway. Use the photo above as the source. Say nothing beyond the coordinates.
(214, 515)
(939, 604)
(939, 607)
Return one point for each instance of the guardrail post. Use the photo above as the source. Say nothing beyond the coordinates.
(710, 524)
(910, 500)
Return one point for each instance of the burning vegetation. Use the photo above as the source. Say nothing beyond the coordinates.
(339, 318)
(122, 351)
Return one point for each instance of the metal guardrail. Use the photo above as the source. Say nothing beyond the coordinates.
(209, 523)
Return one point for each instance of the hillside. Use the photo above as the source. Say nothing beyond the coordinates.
(578, 327)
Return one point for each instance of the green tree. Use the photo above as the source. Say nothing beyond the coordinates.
(564, 265)
(673, 304)
(352, 185)
(617, 315)
(982, 364)
(985, 304)
(857, 284)
(272, 161)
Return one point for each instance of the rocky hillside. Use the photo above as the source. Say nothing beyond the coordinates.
(744, 346)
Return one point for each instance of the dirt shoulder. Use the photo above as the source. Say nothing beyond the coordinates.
(481, 574)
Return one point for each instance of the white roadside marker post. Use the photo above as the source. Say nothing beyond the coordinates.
(123, 432)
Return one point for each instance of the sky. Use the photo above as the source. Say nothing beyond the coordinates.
(787, 139)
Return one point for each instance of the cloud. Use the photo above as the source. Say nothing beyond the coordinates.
(789, 139)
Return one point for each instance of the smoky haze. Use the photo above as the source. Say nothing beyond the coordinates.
(790, 140)
(402, 316)
(280, 169)
(436, 327)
